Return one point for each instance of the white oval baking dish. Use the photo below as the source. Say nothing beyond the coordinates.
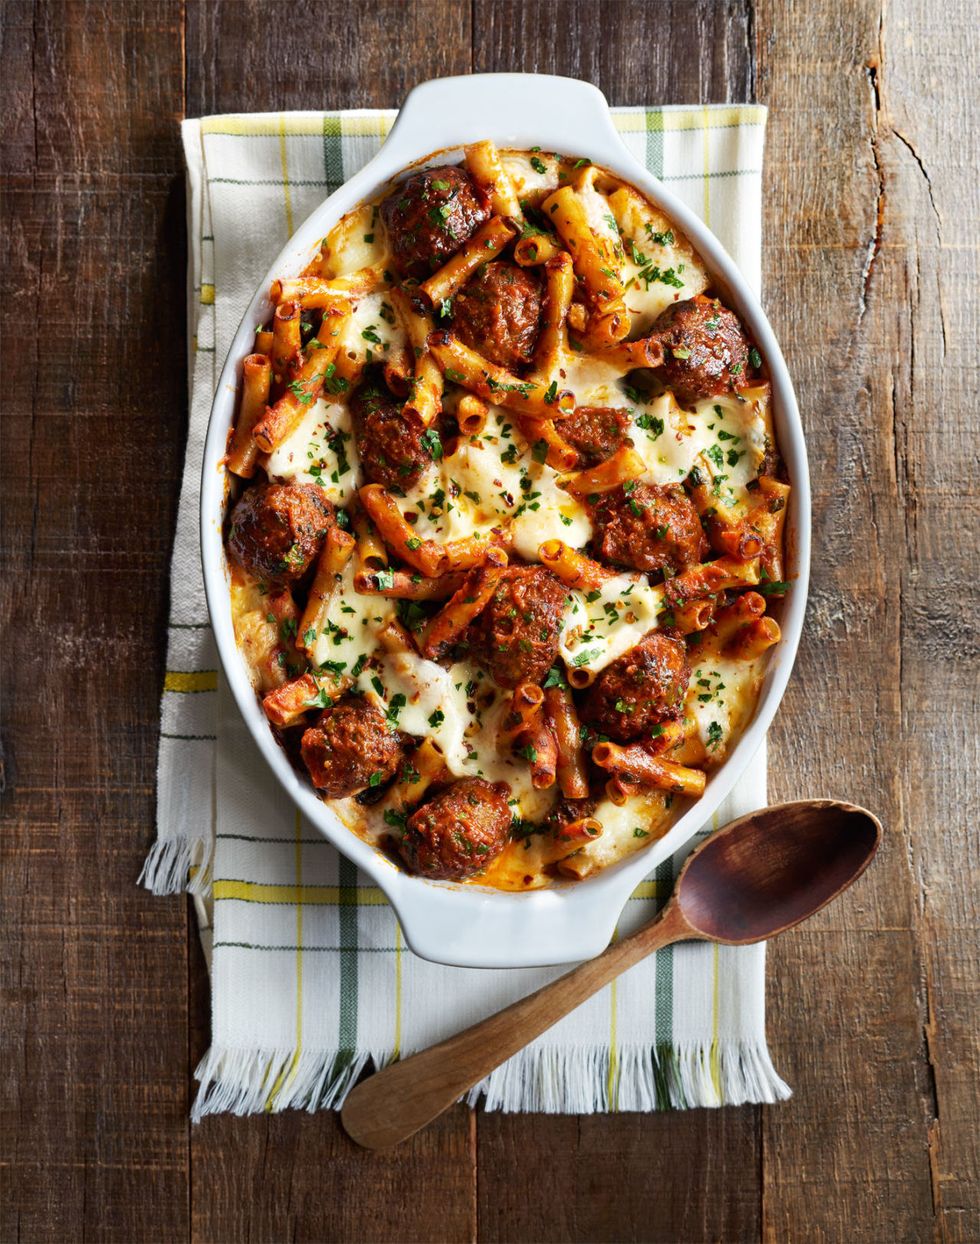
(466, 925)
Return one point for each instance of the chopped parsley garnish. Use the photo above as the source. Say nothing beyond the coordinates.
(437, 718)
(660, 239)
(299, 392)
(555, 678)
(539, 166)
(384, 580)
(583, 658)
(651, 424)
(432, 443)
(714, 735)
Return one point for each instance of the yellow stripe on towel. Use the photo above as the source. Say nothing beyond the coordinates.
(191, 680)
(311, 895)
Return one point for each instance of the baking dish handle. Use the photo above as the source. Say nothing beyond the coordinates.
(515, 109)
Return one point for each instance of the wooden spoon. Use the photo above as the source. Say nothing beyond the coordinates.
(756, 877)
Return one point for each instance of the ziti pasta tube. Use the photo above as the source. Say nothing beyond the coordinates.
(483, 163)
(572, 567)
(497, 385)
(636, 764)
(485, 244)
(382, 508)
(563, 719)
(334, 556)
(256, 381)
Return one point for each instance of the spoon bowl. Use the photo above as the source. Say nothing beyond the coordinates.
(749, 884)
(756, 877)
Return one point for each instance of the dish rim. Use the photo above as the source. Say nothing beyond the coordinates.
(446, 922)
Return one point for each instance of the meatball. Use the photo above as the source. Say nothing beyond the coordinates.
(651, 527)
(350, 747)
(642, 688)
(458, 832)
(390, 446)
(516, 635)
(430, 215)
(705, 348)
(498, 314)
(277, 530)
(596, 432)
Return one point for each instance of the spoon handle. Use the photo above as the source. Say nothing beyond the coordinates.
(395, 1103)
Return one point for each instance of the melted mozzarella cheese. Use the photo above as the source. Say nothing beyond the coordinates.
(357, 241)
(643, 818)
(492, 479)
(594, 382)
(601, 625)
(529, 182)
(320, 450)
(422, 699)
(728, 434)
(351, 625)
(660, 268)
(720, 697)
(372, 330)
(600, 218)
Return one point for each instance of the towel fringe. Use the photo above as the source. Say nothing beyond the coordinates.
(240, 1082)
(549, 1080)
(538, 1080)
(176, 864)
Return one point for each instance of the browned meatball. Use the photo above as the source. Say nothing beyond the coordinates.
(642, 688)
(458, 832)
(651, 527)
(390, 446)
(350, 747)
(596, 432)
(430, 215)
(516, 635)
(706, 352)
(277, 530)
(498, 314)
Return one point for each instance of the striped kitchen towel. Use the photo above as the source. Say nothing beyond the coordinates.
(311, 979)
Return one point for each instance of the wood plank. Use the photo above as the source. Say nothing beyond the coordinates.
(856, 291)
(671, 52)
(619, 1173)
(927, 165)
(322, 54)
(295, 1176)
(95, 1103)
(684, 1176)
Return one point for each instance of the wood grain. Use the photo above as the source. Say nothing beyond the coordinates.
(855, 234)
(94, 970)
(871, 220)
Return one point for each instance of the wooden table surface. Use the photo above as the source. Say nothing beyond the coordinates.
(870, 258)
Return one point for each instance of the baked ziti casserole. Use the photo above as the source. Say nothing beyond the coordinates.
(506, 520)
